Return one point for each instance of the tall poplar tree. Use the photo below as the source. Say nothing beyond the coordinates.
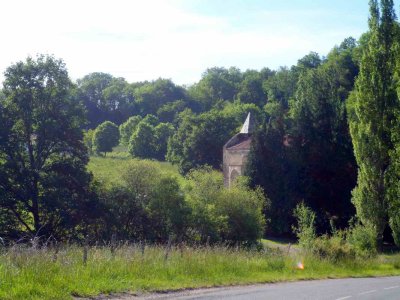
(371, 109)
(394, 181)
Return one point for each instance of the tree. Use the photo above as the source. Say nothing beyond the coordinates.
(199, 139)
(106, 98)
(90, 92)
(281, 86)
(44, 185)
(304, 150)
(128, 128)
(88, 140)
(216, 84)
(271, 166)
(105, 137)
(310, 61)
(119, 100)
(143, 142)
(168, 112)
(153, 95)
(327, 168)
(162, 133)
(371, 108)
(251, 90)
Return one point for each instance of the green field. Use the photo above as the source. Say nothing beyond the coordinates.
(42, 274)
(107, 170)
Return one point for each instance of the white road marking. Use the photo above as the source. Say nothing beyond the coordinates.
(367, 292)
(392, 287)
(345, 297)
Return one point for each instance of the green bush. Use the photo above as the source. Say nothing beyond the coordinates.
(305, 230)
(220, 214)
(202, 188)
(358, 241)
(363, 239)
(334, 248)
(146, 203)
(244, 210)
(159, 195)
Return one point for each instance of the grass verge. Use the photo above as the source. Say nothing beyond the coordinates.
(44, 274)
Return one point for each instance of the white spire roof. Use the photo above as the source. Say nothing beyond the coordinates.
(248, 125)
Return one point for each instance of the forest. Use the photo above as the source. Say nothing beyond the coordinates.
(327, 145)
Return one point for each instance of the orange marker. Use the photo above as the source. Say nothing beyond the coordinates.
(300, 266)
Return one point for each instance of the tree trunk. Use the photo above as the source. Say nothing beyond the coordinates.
(35, 206)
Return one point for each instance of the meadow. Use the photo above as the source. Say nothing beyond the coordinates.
(72, 271)
(107, 170)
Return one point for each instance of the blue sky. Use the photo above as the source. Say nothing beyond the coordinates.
(177, 39)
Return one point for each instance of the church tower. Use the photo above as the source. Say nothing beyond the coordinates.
(236, 152)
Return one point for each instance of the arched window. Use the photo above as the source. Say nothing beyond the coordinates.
(234, 173)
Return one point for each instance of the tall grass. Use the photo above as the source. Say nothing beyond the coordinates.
(28, 273)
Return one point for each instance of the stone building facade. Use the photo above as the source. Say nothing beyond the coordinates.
(236, 152)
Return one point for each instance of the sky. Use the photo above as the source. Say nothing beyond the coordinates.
(175, 39)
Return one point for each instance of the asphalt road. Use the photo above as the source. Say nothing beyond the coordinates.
(387, 288)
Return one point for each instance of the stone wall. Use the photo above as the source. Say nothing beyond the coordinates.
(234, 163)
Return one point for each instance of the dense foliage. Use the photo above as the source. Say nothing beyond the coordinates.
(156, 204)
(44, 185)
(303, 152)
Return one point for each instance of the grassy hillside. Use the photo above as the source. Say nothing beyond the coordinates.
(108, 169)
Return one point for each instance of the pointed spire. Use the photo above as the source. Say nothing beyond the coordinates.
(248, 125)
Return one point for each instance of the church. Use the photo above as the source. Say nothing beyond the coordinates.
(236, 152)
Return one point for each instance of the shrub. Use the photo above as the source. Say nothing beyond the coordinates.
(334, 248)
(202, 189)
(158, 193)
(232, 215)
(305, 230)
(122, 213)
(362, 237)
(359, 241)
(244, 210)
